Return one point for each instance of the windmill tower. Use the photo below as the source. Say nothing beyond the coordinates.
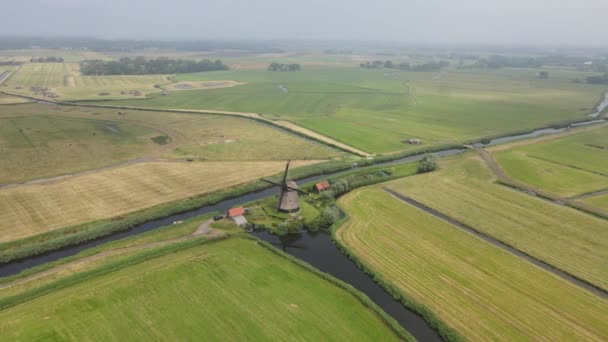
(288, 199)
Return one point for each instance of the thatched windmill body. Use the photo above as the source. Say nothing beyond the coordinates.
(288, 199)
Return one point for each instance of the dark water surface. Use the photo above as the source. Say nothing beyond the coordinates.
(319, 250)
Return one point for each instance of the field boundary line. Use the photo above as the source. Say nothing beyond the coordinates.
(584, 284)
(566, 165)
(505, 180)
(590, 194)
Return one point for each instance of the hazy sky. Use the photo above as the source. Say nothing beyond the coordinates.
(578, 22)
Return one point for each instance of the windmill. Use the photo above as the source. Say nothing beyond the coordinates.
(288, 199)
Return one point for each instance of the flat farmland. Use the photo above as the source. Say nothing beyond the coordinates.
(38, 141)
(41, 146)
(227, 290)
(37, 208)
(71, 56)
(598, 201)
(567, 166)
(374, 110)
(566, 238)
(65, 81)
(480, 290)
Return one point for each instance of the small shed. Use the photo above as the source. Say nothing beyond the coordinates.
(240, 220)
(322, 186)
(236, 214)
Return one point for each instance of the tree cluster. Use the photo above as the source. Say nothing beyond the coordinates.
(10, 63)
(340, 187)
(274, 66)
(543, 75)
(338, 52)
(143, 66)
(51, 59)
(427, 164)
(328, 216)
(598, 79)
(429, 66)
(497, 62)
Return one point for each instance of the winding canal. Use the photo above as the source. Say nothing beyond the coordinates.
(315, 248)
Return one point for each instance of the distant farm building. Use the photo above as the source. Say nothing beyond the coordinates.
(237, 215)
(412, 141)
(321, 186)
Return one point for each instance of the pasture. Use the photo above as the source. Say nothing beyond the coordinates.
(33, 209)
(482, 291)
(567, 166)
(39, 141)
(42, 146)
(598, 201)
(64, 81)
(374, 110)
(566, 238)
(226, 290)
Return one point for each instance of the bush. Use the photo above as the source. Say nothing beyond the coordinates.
(325, 220)
(340, 187)
(428, 164)
(289, 227)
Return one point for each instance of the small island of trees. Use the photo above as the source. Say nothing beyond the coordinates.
(274, 66)
(143, 66)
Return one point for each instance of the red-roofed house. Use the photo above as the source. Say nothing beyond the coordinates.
(237, 215)
(236, 212)
(322, 186)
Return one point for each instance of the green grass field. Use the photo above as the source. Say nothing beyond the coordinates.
(568, 166)
(65, 81)
(599, 201)
(375, 109)
(563, 237)
(228, 290)
(39, 146)
(483, 292)
(43, 141)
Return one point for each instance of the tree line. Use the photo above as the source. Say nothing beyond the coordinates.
(429, 66)
(143, 66)
(274, 66)
(51, 59)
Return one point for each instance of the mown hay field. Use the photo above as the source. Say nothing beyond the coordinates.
(566, 238)
(567, 166)
(227, 290)
(39, 141)
(65, 81)
(482, 291)
(374, 110)
(37, 208)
